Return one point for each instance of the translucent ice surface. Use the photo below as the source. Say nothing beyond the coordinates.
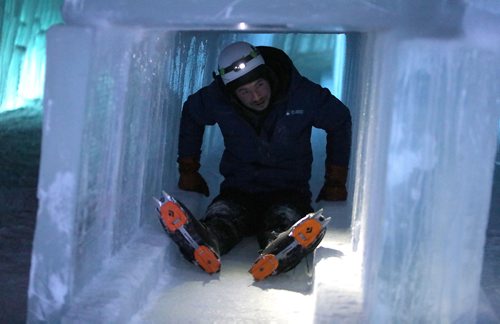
(425, 251)
(421, 83)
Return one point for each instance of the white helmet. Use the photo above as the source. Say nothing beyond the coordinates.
(237, 59)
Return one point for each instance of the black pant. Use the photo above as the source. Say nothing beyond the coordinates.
(234, 214)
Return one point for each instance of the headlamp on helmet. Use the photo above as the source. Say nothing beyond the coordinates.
(239, 64)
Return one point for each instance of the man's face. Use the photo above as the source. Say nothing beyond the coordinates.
(255, 95)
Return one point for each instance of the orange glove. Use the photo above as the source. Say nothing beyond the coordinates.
(334, 188)
(190, 179)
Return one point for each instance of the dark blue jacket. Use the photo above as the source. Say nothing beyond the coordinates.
(276, 155)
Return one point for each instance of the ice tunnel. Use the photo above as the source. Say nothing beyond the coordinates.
(421, 81)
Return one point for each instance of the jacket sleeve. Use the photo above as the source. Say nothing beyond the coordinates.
(194, 118)
(334, 117)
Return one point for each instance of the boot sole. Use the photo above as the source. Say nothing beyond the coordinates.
(304, 235)
(174, 220)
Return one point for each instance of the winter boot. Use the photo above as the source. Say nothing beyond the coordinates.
(195, 241)
(288, 249)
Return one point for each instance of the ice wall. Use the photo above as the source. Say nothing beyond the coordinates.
(429, 183)
(423, 157)
(102, 158)
(439, 110)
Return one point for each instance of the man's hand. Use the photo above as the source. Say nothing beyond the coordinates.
(190, 179)
(334, 188)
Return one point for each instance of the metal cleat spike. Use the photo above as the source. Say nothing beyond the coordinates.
(158, 202)
(318, 213)
(166, 196)
(325, 221)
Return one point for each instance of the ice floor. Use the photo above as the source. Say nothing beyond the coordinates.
(232, 296)
(195, 295)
